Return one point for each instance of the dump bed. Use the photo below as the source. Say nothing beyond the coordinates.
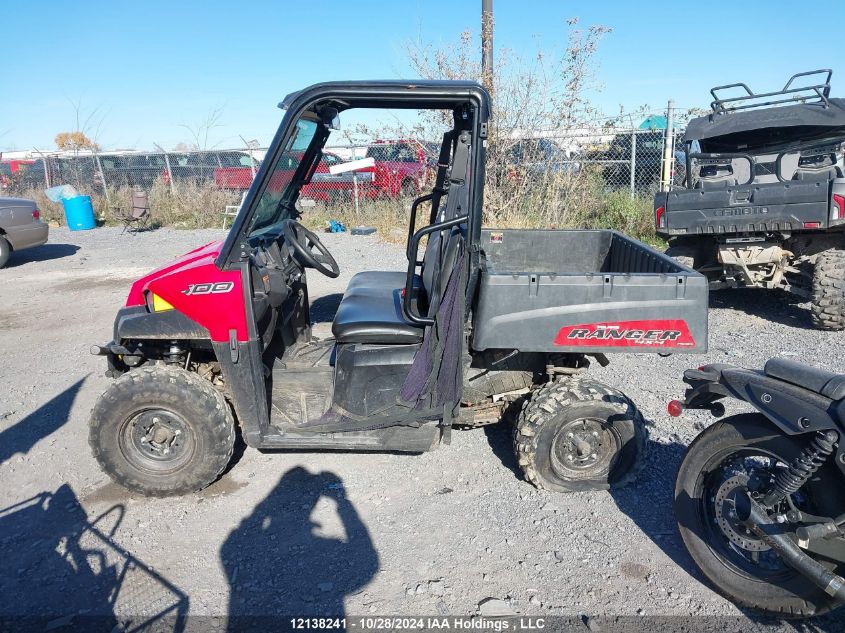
(585, 291)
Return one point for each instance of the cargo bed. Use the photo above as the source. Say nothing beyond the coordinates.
(585, 291)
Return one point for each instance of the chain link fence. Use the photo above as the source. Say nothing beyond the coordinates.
(204, 188)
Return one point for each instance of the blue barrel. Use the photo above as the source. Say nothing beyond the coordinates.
(79, 213)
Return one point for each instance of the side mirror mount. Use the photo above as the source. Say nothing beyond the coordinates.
(330, 117)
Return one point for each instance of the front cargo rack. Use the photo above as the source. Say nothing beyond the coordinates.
(819, 91)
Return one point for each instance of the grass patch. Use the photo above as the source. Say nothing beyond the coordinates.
(545, 205)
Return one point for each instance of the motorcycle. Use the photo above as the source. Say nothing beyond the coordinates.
(760, 497)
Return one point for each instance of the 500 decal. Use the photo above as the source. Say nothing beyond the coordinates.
(221, 287)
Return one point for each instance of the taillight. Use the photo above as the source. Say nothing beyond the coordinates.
(675, 408)
(812, 225)
(36, 215)
(837, 211)
(660, 217)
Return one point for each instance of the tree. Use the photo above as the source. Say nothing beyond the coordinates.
(545, 96)
(75, 142)
(201, 130)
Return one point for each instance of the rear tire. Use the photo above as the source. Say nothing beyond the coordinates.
(579, 435)
(5, 251)
(162, 431)
(828, 307)
(720, 558)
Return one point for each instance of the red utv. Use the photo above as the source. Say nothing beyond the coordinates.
(482, 322)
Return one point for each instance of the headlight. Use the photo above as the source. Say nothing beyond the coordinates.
(156, 303)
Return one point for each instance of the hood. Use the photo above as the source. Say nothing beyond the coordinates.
(202, 255)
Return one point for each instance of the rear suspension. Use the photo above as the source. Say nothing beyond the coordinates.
(801, 468)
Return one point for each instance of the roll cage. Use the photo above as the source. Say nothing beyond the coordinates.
(469, 102)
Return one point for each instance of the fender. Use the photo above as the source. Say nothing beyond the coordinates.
(793, 410)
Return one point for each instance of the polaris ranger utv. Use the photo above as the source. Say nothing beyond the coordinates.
(482, 320)
(764, 203)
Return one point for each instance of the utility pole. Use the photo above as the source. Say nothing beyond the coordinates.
(487, 44)
(668, 148)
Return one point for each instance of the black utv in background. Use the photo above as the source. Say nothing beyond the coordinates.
(764, 198)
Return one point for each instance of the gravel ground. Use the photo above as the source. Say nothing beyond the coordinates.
(320, 533)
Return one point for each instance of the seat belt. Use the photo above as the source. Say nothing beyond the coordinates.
(457, 178)
(454, 206)
(440, 188)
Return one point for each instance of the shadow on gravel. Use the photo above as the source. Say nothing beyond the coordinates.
(61, 571)
(324, 308)
(648, 501)
(45, 420)
(778, 307)
(500, 438)
(301, 551)
(41, 253)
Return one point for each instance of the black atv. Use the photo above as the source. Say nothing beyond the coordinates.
(764, 198)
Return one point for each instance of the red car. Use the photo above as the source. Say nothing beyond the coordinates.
(323, 185)
(12, 167)
(402, 168)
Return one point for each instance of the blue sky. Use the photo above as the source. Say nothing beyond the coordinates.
(150, 67)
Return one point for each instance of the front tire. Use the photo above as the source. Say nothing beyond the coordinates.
(745, 451)
(578, 435)
(162, 431)
(828, 307)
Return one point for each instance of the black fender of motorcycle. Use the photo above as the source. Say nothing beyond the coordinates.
(794, 410)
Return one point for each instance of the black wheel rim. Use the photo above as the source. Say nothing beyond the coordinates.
(157, 441)
(583, 448)
(722, 479)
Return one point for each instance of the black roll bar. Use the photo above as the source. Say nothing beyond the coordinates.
(413, 246)
(413, 222)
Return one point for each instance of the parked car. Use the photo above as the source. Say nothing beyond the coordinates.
(143, 170)
(12, 169)
(202, 167)
(20, 227)
(616, 158)
(134, 170)
(237, 172)
(535, 158)
(323, 187)
(402, 168)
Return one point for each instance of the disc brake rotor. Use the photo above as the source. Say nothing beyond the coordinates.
(726, 517)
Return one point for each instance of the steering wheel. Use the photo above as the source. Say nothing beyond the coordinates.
(308, 249)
